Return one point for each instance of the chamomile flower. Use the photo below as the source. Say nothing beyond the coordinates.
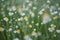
(34, 8)
(42, 9)
(10, 29)
(30, 25)
(27, 37)
(34, 34)
(48, 1)
(6, 19)
(19, 9)
(10, 13)
(26, 18)
(32, 22)
(9, 9)
(37, 24)
(30, 4)
(13, 8)
(40, 12)
(31, 13)
(14, 31)
(34, 29)
(53, 25)
(51, 29)
(53, 13)
(22, 14)
(20, 19)
(16, 26)
(25, 8)
(17, 31)
(58, 31)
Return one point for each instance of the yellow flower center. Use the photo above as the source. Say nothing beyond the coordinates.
(30, 25)
(1, 28)
(18, 30)
(55, 17)
(50, 28)
(26, 17)
(19, 8)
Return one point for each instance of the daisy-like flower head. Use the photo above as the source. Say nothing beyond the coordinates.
(26, 18)
(17, 31)
(27, 37)
(51, 29)
(53, 13)
(30, 25)
(34, 34)
(13, 8)
(34, 29)
(37, 24)
(16, 26)
(25, 8)
(34, 8)
(19, 9)
(53, 25)
(9, 9)
(20, 19)
(32, 22)
(6, 19)
(10, 29)
(10, 13)
(40, 12)
(1, 28)
(48, 1)
(30, 4)
(42, 9)
(31, 13)
(58, 31)
(22, 14)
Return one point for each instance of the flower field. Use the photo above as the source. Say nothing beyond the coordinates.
(29, 19)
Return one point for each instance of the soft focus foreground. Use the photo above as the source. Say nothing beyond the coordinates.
(29, 19)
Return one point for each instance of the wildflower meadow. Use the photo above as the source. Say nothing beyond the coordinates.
(29, 19)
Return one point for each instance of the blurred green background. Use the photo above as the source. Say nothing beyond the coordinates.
(30, 19)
